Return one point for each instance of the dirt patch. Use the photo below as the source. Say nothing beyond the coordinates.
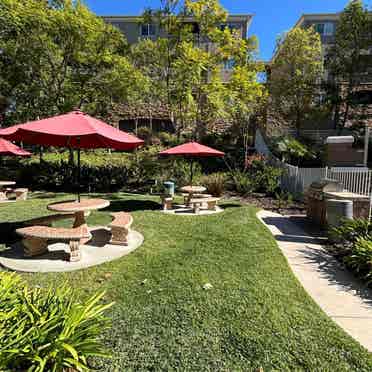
(268, 203)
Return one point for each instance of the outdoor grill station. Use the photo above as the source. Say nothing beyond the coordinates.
(327, 203)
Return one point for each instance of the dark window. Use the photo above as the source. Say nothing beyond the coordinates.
(147, 30)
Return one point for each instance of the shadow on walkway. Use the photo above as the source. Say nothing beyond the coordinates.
(294, 229)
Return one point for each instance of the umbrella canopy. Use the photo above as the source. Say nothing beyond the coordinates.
(75, 130)
(8, 148)
(192, 149)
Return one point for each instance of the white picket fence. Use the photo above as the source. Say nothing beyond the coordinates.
(297, 180)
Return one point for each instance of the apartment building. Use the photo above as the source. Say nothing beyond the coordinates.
(135, 29)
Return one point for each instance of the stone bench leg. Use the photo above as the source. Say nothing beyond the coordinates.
(119, 235)
(168, 205)
(196, 208)
(21, 195)
(75, 254)
(212, 206)
(34, 246)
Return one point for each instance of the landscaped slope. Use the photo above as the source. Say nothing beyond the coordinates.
(255, 315)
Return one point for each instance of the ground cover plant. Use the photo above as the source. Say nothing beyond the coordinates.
(48, 329)
(253, 314)
(352, 245)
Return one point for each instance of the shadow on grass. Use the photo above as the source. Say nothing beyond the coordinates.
(8, 234)
(229, 205)
(132, 206)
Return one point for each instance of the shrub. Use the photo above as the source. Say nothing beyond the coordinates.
(351, 230)
(266, 177)
(243, 182)
(46, 330)
(215, 183)
(360, 259)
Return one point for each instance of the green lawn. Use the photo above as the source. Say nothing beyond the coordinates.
(256, 314)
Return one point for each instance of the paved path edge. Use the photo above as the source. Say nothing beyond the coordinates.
(345, 300)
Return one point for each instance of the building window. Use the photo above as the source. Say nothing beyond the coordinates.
(231, 26)
(326, 29)
(147, 30)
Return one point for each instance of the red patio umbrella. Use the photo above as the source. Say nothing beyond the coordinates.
(74, 130)
(192, 150)
(8, 148)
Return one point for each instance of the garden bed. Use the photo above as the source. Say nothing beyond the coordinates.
(270, 203)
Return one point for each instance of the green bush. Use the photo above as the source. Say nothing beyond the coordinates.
(47, 330)
(266, 177)
(351, 230)
(360, 259)
(215, 183)
(243, 183)
(101, 171)
(259, 176)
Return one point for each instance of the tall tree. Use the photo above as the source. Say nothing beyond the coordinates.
(57, 56)
(186, 64)
(295, 75)
(348, 58)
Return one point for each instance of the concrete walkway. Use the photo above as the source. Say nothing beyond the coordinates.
(335, 290)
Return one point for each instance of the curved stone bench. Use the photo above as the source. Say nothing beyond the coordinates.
(35, 239)
(21, 194)
(120, 227)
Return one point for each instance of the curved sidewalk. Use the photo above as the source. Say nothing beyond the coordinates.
(335, 290)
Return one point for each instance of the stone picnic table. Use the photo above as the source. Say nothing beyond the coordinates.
(191, 190)
(79, 209)
(3, 185)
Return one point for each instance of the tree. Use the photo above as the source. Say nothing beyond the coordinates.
(187, 65)
(347, 59)
(57, 56)
(296, 73)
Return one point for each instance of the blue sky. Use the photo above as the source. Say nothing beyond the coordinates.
(271, 17)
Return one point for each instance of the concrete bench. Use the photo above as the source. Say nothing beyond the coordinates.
(167, 202)
(120, 227)
(36, 238)
(21, 194)
(211, 202)
(187, 198)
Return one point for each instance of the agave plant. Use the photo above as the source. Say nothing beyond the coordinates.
(47, 329)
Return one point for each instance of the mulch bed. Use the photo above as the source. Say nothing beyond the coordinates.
(271, 204)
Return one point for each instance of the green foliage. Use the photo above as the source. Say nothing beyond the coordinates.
(360, 258)
(101, 171)
(352, 230)
(215, 183)
(291, 150)
(258, 177)
(346, 60)
(47, 329)
(295, 72)
(59, 56)
(243, 183)
(187, 75)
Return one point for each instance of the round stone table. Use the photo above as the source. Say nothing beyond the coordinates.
(79, 209)
(3, 185)
(191, 190)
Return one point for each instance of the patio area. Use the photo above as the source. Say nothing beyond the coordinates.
(213, 291)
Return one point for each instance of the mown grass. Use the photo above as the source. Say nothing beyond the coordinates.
(256, 315)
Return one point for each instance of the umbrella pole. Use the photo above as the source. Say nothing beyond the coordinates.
(191, 171)
(79, 169)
